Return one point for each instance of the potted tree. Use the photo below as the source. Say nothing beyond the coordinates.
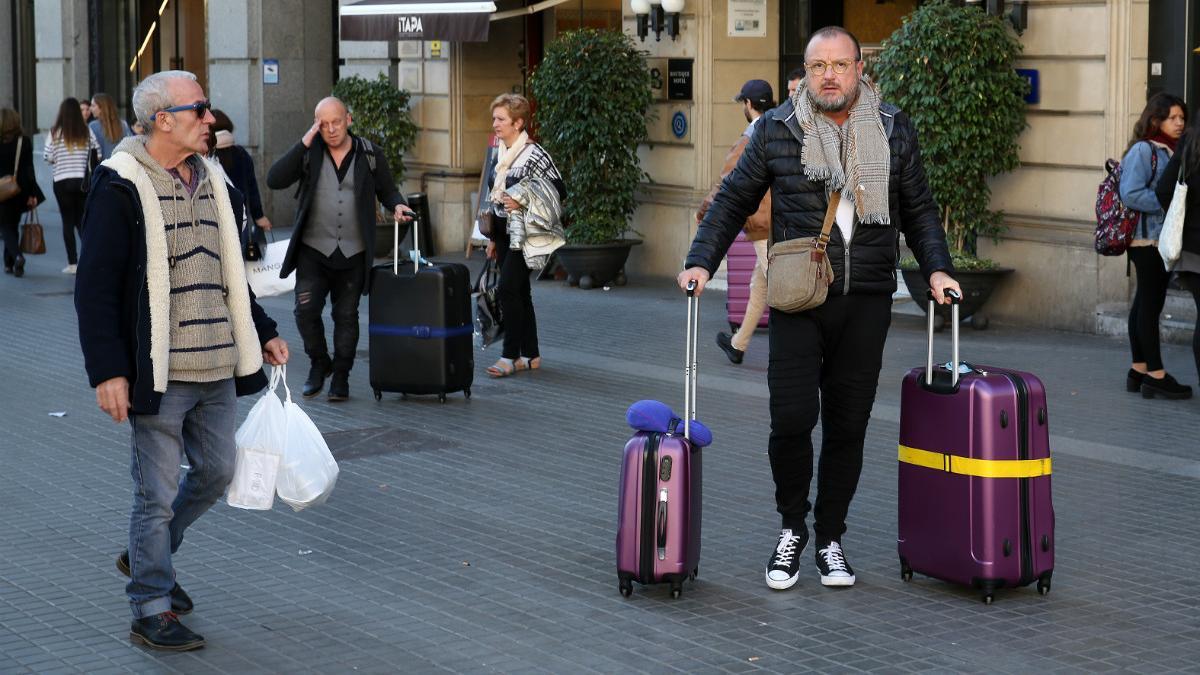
(592, 92)
(952, 70)
(381, 115)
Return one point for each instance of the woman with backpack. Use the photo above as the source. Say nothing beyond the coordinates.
(1186, 162)
(1154, 139)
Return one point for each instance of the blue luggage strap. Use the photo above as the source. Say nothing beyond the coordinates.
(420, 332)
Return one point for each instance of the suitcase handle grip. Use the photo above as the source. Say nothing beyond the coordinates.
(689, 359)
(955, 301)
(661, 539)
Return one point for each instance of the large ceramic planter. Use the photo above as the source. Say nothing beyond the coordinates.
(592, 265)
(977, 287)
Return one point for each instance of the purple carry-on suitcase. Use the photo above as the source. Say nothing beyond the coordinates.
(741, 260)
(658, 519)
(974, 475)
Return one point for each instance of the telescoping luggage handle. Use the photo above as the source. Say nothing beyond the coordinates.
(689, 360)
(415, 254)
(955, 299)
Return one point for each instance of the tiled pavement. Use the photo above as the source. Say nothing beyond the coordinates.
(477, 536)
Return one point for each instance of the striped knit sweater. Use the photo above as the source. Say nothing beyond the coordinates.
(201, 337)
(68, 162)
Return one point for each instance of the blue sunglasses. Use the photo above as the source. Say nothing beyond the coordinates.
(201, 108)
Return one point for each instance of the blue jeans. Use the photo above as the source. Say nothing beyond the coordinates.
(195, 420)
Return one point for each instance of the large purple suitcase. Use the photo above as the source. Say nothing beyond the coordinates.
(974, 475)
(658, 513)
(740, 261)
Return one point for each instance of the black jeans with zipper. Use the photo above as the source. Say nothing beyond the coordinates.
(824, 363)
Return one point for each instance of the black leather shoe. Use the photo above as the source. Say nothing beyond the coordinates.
(725, 342)
(1133, 381)
(339, 386)
(19, 266)
(181, 603)
(1167, 388)
(164, 631)
(316, 379)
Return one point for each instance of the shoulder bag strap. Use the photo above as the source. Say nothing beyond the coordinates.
(17, 157)
(826, 227)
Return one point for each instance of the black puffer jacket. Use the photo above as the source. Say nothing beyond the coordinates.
(772, 161)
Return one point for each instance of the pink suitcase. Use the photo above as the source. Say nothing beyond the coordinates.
(974, 476)
(658, 513)
(740, 269)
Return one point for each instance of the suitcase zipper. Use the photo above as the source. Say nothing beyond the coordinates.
(646, 541)
(1023, 453)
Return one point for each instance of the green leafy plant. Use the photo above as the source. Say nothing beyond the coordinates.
(963, 262)
(593, 91)
(381, 115)
(951, 69)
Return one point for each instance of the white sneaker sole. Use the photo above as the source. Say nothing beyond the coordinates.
(837, 581)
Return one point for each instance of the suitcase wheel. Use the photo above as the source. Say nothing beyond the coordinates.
(467, 392)
(734, 326)
(906, 572)
(676, 589)
(441, 398)
(626, 587)
(695, 573)
(378, 395)
(989, 588)
(988, 598)
(1043, 583)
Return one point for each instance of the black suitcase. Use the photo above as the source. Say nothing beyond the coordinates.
(420, 327)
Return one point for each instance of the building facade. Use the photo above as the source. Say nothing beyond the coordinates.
(1096, 61)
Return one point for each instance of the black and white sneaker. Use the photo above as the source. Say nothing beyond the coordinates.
(783, 569)
(831, 563)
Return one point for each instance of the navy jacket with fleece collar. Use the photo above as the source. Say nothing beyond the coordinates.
(112, 298)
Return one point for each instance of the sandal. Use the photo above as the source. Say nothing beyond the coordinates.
(534, 363)
(502, 368)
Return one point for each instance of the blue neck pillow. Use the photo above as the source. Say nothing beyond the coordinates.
(647, 415)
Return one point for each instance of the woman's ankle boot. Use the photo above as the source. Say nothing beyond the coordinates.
(1167, 388)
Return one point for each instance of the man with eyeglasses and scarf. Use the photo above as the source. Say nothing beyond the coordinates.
(171, 334)
(825, 362)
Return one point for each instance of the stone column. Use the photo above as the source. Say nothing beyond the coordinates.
(61, 49)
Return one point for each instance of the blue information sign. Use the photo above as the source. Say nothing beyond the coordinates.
(1030, 75)
(679, 124)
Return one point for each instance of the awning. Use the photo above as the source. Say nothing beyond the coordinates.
(386, 20)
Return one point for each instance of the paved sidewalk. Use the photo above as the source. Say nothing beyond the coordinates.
(477, 536)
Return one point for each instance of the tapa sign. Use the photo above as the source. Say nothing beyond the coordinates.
(449, 20)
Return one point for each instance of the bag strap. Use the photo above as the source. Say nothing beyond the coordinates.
(17, 157)
(826, 227)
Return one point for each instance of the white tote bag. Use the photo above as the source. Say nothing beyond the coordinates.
(1170, 241)
(260, 442)
(263, 274)
(308, 471)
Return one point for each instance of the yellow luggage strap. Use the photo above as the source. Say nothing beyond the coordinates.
(982, 468)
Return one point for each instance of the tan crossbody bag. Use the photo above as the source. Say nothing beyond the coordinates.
(798, 270)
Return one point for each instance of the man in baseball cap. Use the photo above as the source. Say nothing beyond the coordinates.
(756, 98)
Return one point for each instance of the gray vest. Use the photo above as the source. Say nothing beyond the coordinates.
(333, 218)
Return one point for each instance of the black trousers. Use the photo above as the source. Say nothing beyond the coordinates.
(342, 280)
(11, 231)
(1191, 281)
(70, 205)
(515, 293)
(1148, 301)
(824, 362)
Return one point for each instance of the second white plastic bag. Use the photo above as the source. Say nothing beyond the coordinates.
(308, 471)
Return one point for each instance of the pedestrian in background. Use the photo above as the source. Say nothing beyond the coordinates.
(516, 158)
(238, 165)
(16, 154)
(158, 235)
(85, 109)
(73, 151)
(1187, 161)
(756, 98)
(834, 137)
(794, 79)
(106, 125)
(1154, 139)
(333, 237)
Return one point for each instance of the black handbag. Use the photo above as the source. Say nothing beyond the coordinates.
(489, 320)
(254, 242)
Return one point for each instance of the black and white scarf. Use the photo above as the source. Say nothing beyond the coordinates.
(854, 158)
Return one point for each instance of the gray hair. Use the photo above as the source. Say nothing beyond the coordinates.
(152, 96)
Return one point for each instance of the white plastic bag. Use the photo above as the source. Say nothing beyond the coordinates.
(263, 274)
(1170, 241)
(308, 471)
(260, 442)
